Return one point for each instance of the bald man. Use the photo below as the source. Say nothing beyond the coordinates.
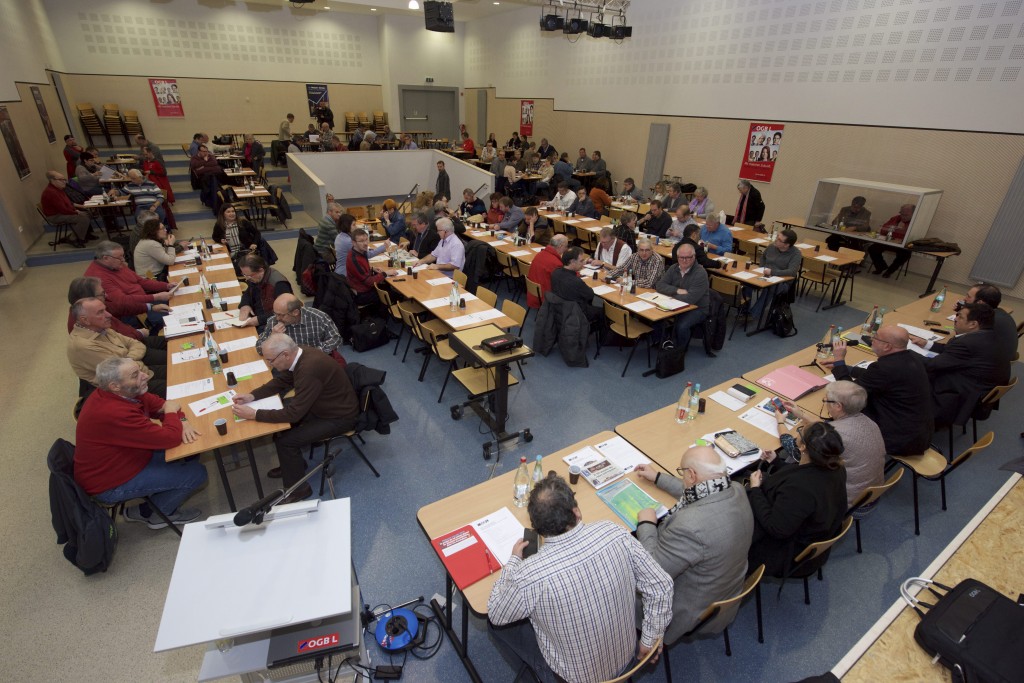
(148, 197)
(899, 393)
(307, 326)
(702, 542)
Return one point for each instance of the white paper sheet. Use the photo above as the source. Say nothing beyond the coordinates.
(199, 386)
(921, 351)
(187, 256)
(231, 300)
(238, 344)
(182, 271)
(587, 272)
(222, 266)
(759, 240)
(638, 306)
(498, 243)
(622, 453)
(500, 531)
(519, 252)
(537, 248)
(187, 356)
(227, 284)
(473, 318)
(243, 370)
(212, 404)
(804, 245)
(745, 275)
(825, 258)
(762, 420)
(191, 289)
(440, 302)
(773, 279)
(603, 289)
(438, 281)
(927, 335)
(268, 403)
(224, 315)
(726, 400)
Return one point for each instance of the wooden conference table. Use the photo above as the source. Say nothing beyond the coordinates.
(466, 506)
(179, 373)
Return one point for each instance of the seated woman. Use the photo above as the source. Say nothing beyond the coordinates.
(798, 503)
(495, 214)
(154, 251)
(660, 191)
(393, 220)
(700, 205)
(626, 230)
(234, 232)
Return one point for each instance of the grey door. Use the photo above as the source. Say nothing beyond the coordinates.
(430, 109)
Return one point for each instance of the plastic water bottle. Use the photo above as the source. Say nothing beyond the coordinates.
(879, 317)
(825, 345)
(683, 407)
(937, 302)
(867, 327)
(521, 488)
(212, 354)
(691, 414)
(453, 296)
(215, 296)
(538, 472)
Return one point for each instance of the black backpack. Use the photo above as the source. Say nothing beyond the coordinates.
(976, 632)
(84, 528)
(780, 318)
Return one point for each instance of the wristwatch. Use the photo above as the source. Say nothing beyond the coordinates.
(183, 418)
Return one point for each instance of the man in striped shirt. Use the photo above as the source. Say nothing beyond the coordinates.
(307, 326)
(569, 609)
(148, 197)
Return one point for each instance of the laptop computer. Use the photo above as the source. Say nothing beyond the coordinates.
(293, 644)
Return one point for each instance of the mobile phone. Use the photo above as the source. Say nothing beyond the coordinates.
(777, 402)
(939, 330)
(530, 536)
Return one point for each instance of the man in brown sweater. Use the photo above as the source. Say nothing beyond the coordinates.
(325, 405)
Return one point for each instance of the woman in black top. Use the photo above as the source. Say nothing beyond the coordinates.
(235, 232)
(798, 503)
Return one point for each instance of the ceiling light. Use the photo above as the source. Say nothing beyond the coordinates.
(552, 22)
(373, 9)
(413, 4)
(497, 3)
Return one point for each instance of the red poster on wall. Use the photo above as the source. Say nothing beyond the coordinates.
(526, 117)
(166, 97)
(760, 151)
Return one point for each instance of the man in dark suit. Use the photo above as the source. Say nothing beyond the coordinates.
(423, 238)
(1003, 324)
(750, 209)
(324, 405)
(899, 394)
(967, 366)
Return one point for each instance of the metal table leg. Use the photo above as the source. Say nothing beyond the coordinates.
(444, 616)
(255, 472)
(224, 479)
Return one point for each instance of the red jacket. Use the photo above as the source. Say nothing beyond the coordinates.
(116, 439)
(115, 324)
(127, 292)
(55, 203)
(359, 273)
(544, 263)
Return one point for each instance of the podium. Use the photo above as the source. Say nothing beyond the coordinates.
(233, 586)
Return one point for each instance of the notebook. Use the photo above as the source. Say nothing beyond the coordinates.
(792, 382)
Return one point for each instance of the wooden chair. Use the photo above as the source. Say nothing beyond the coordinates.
(487, 296)
(622, 324)
(513, 310)
(811, 553)
(510, 271)
(392, 309)
(932, 465)
(814, 273)
(357, 212)
(443, 350)
(587, 238)
(639, 665)
(459, 277)
(410, 318)
(751, 583)
(866, 501)
(534, 289)
(989, 403)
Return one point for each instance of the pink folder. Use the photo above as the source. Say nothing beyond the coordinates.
(791, 382)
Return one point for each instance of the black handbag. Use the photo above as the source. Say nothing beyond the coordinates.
(369, 334)
(671, 360)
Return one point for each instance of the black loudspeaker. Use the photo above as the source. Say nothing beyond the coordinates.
(439, 16)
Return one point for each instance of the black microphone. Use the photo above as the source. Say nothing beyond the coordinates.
(258, 509)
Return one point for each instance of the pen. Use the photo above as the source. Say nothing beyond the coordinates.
(490, 567)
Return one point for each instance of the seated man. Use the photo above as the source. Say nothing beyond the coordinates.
(265, 285)
(583, 162)
(59, 210)
(471, 204)
(547, 261)
(716, 238)
(92, 341)
(780, 259)
(361, 275)
(674, 199)
(967, 366)
(512, 217)
(91, 287)
(894, 229)
(630, 190)
(119, 454)
(307, 326)
(423, 239)
(569, 611)
(1003, 325)
(450, 252)
(324, 405)
(488, 153)
(854, 218)
(899, 394)
(564, 200)
(127, 293)
(563, 169)
(147, 196)
(611, 252)
(682, 220)
(566, 283)
(208, 173)
(327, 228)
(645, 266)
(598, 165)
(703, 541)
(655, 222)
(691, 236)
(584, 205)
(197, 140)
(687, 281)
(534, 227)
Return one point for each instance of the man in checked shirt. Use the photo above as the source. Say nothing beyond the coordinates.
(568, 611)
(307, 326)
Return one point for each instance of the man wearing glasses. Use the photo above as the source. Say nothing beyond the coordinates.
(324, 405)
(780, 259)
(702, 542)
(307, 326)
(59, 210)
(686, 281)
(645, 267)
(899, 394)
(128, 293)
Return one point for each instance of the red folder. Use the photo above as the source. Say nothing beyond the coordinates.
(791, 382)
(465, 556)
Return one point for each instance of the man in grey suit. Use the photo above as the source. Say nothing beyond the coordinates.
(702, 542)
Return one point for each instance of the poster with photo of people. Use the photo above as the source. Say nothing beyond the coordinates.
(760, 151)
(13, 146)
(43, 114)
(526, 117)
(166, 97)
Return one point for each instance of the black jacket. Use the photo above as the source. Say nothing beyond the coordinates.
(427, 243)
(962, 373)
(899, 400)
(562, 322)
(702, 256)
(334, 297)
(375, 411)
(84, 529)
(755, 207)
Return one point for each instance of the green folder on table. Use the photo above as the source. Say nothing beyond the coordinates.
(626, 499)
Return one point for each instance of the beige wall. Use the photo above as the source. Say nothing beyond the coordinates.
(217, 106)
(20, 196)
(973, 169)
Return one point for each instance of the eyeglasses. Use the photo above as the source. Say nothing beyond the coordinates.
(681, 470)
(122, 259)
(271, 361)
(828, 400)
(686, 258)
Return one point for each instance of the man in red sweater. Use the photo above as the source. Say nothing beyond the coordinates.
(361, 275)
(59, 210)
(128, 294)
(547, 261)
(120, 450)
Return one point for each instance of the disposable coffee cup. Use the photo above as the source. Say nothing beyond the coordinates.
(209, 304)
(223, 305)
(210, 325)
(746, 266)
(415, 275)
(462, 302)
(184, 281)
(408, 270)
(817, 248)
(574, 474)
(594, 276)
(223, 356)
(221, 425)
(232, 382)
(701, 405)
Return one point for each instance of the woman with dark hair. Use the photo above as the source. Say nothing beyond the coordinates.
(234, 232)
(796, 503)
(626, 229)
(154, 251)
(514, 142)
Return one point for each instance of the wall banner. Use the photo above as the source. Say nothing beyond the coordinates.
(13, 146)
(166, 97)
(526, 117)
(760, 151)
(43, 114)
(315, 94)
